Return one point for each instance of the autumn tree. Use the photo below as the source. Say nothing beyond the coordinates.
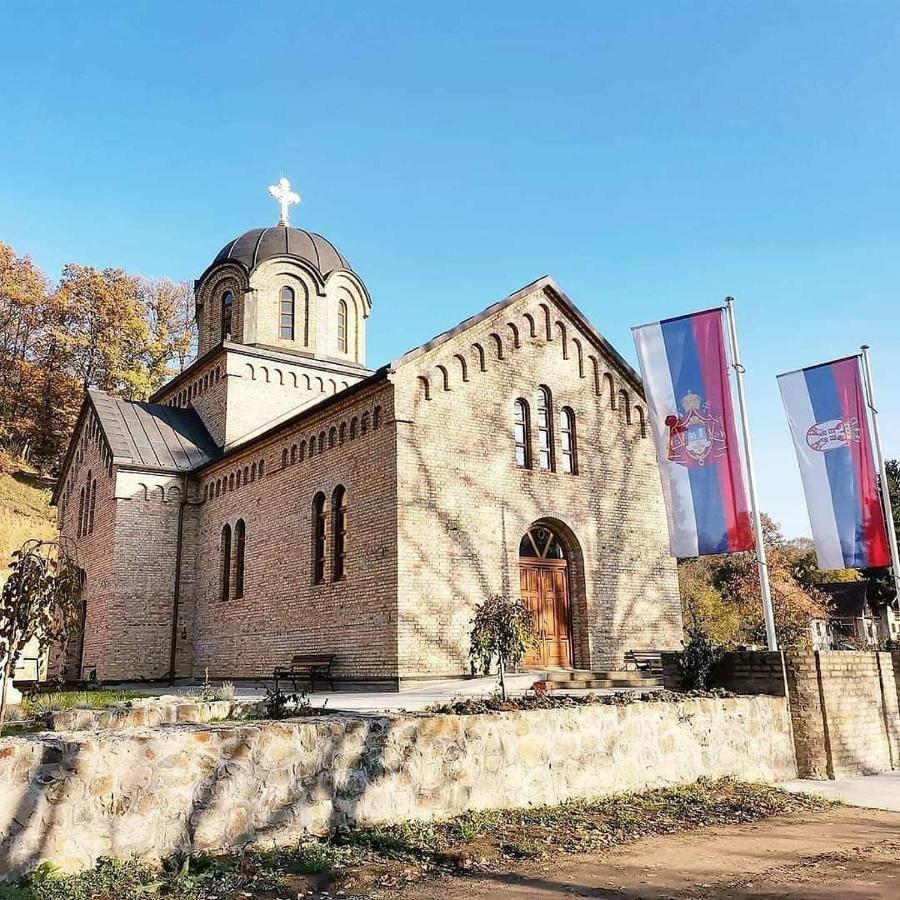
(721, 594)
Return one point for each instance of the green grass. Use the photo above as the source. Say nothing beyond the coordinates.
(361, 859)
(25, 510)
(54, 701)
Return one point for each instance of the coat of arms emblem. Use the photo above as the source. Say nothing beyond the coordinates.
(696, 436)
(832, 434)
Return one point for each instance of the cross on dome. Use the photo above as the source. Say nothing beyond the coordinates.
(282, 192)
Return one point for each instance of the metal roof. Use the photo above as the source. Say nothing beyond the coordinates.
(259, 244)
(152, 435)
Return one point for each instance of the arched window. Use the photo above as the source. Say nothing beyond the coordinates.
(93, 504)
(262, 468)
(284, 458)
(339, 515)
(545, 429)
(376, 417)
(293, 453)
(522, 434)
(240, 539)
(364, 423)
(342, 326)
(225, 563)
(332, 436)
(319, 535)
(81, 514)
(227, 309)
(567, 441)
(286, 320)
(354, 426)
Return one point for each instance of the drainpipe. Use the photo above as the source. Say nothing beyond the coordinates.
(176, 593)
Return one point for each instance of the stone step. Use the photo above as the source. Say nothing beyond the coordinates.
(616, 677)
(598, 683)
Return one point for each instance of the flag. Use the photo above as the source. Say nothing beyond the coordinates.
(685, 372)
(826, 411)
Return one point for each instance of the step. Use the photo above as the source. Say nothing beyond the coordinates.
(617, 677)
(600, 683)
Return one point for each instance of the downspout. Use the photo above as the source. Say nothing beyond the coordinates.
(176, 593)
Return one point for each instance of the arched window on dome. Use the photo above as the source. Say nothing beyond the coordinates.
(342, 326)
(286, 329)
(227, 309)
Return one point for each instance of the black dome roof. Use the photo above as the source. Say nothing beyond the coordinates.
(256, 246)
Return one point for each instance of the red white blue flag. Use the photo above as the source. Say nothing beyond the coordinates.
(685, 371)
(827, 412)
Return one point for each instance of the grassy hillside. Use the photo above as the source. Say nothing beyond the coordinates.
(25, 510)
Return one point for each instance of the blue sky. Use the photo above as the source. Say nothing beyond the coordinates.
(651, 157)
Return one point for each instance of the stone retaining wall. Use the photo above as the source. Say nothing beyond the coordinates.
(75, 797)
(148, 714)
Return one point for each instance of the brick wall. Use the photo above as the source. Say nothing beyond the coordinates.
(464, 505)
(845, 710)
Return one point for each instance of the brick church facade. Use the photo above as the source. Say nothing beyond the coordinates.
(278, 497)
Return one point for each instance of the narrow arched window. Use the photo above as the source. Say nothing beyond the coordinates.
(284, 458)
(81, 514)
(568, 441)
(319, 534)
(93, 504)
(293, 453)
(376, 418)
(227, 309)
(286, 320)
(339, 518)
(342, 326)
(522, 434)
(240, 540)
(545, 429)
(225, 563)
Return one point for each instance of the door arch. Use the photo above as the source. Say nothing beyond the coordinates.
(544, 587)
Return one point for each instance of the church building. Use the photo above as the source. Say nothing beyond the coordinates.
(280, 497)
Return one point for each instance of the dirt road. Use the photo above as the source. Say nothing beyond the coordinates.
(846, 853)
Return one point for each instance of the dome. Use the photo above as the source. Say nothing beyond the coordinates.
(256, 246)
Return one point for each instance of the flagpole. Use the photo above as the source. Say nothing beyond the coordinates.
(761, 561)
(882, 471)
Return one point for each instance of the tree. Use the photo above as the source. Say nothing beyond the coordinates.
(40, 600)
(721, 595)
(502, 628)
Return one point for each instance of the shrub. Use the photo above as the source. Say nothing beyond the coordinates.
(698, 659)
(502, 628)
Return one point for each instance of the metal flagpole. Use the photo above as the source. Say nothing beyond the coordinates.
(761, 562)
(882, 471)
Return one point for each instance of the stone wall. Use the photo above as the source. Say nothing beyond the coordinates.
(78, 796)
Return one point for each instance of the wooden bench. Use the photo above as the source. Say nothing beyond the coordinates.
(306, 665)
(645, 661)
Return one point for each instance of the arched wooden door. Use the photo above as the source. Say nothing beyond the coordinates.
(544, 582)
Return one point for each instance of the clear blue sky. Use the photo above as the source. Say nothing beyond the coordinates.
(652, 157)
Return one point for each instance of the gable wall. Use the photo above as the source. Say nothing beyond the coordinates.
(463, 505)
(282, 612)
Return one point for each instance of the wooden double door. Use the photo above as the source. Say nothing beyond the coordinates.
(544, 586)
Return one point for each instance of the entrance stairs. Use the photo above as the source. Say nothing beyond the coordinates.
(586, 680)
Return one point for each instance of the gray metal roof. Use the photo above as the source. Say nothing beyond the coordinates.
(256, 246)
(152, 435)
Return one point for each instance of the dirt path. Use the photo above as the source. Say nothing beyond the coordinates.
(847, 853)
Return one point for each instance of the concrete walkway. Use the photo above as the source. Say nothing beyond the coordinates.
(867, 791)
(414, 698)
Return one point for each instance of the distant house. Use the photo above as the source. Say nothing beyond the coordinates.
(853, 620)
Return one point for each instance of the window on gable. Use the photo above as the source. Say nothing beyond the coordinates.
(545, 429)
(227, 310)
(240, 538)
(320, 536)
(522, 433)
(568, 441)
(339, 545)
(286, 320)
(225, 563)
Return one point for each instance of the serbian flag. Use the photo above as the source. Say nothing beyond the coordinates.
(827, 413)
(685, 372)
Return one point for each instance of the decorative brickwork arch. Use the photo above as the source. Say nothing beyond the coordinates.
(551, 579)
